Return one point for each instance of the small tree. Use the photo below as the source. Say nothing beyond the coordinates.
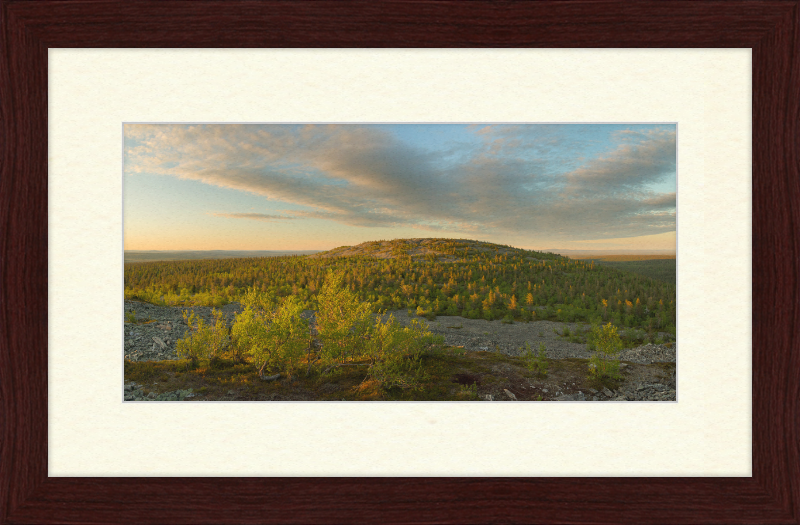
(274, 334)
(343, 322)
(536, 363)
(607, 344)
(396, 352)
(202, 340)
(512, 304)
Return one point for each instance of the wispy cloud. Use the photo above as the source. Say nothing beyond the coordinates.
(515, 180)
(253, 216)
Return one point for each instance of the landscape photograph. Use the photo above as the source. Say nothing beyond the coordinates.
(473, 262)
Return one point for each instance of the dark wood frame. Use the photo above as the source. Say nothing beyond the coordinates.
(29, 28)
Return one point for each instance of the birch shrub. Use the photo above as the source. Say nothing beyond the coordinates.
(273, 333)
(343, 323)
(391, 352)
(396, 353)
(201, 340)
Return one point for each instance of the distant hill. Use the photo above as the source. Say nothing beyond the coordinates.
(442, 250)
(132, 256)
(601, 254)
(663, 269)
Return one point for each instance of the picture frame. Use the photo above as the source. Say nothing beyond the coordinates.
(28, 495)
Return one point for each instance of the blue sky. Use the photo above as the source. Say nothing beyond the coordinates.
(316, 186)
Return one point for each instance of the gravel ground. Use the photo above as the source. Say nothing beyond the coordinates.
(480, 334)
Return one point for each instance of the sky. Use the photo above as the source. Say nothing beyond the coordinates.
(320, 186)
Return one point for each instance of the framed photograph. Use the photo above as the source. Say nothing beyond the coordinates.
(76, 452)
(344, 262)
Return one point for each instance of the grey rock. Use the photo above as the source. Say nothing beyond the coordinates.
(607, 392)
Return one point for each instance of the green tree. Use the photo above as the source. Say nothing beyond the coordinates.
(274, 334)
(607, 344)
(536, 363)
(395, 353)
(343, 322)
(202, 341)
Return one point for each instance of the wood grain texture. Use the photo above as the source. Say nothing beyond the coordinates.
(28, 28)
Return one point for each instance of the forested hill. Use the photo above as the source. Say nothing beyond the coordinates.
(433, 276)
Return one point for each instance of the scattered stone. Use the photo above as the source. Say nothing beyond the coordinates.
(607, 392)
(545, 390)
(489, 397)
(572, 397)
(510, 394)
(592, 390)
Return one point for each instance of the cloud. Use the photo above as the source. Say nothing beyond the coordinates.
(514, 180)
(253, 216)
(630, 166)
(664, 200)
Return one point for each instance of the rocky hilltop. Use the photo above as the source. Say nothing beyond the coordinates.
(442, 250)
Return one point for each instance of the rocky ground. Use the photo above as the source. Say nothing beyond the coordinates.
(156, 329)
(480, 334)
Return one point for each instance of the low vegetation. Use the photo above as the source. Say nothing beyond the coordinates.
(536, 363)
(450, 375)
